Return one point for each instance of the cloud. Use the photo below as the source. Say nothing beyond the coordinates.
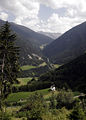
(75, 14)
(59, 24)
(74, 8)
(55, 4)
(25, 12)
(21, 10)
(3, 16)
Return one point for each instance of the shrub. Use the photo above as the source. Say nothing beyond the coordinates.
(4, 116)
(35, 107)
(77, 113)
(65, 98)
(52, 101)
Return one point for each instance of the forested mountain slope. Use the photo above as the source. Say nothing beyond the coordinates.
(68, 46)
(29, 43)
(71, 75)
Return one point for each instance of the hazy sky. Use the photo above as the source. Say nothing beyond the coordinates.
(44, 15)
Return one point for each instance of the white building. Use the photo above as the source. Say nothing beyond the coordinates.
(52, 88)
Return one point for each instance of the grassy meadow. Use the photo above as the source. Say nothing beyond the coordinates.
(23, 81)
(15, 97)
(27, 67)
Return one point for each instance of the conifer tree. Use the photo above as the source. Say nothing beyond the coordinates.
(9, 65)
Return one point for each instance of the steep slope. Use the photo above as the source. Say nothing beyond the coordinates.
(33, 36)
(68, 46)
(51, 35)
(71, 75)
(29, 42)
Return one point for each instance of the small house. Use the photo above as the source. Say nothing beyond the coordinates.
(52, 88)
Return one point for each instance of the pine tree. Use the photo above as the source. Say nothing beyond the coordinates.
(9, 65)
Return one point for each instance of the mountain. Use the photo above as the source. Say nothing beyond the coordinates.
(29, 43)
(68, 46)
(33, 36)
(71, 75)
(51, 35)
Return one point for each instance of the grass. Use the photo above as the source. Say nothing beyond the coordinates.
(57, 65)
(17, 118)
(23, 81)
(43, 64)
(27, 67)
(76, 93)
(15, 97)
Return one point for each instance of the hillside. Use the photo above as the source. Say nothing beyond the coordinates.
(71, 75)
(29, 43)
(68, 46)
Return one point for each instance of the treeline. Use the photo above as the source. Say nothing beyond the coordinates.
(32, 86)
(71, 75)
(34, 72)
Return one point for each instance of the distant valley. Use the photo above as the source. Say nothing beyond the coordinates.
(51, 35)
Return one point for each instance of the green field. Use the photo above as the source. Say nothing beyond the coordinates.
(57, 65)
(43, 64)
(23, 81)
(27, 67)
(15, 97)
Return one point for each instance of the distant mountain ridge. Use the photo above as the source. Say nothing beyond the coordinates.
(51, 35)
(68, 46)
(33, 36)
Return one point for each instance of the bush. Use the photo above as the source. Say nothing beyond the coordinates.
(65, 98)
(4, 116)
(77, 113)
(52, 101)
(35, 107)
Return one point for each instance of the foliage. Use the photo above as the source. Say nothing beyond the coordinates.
(64, 98)
(52, 101)
(77, 113)
(71, 75)
(32, 86)
(9, 65)
(34, 71)
(57, 114)
(4, 116)
(35, 107)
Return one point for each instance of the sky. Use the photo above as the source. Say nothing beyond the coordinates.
(56, 16)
